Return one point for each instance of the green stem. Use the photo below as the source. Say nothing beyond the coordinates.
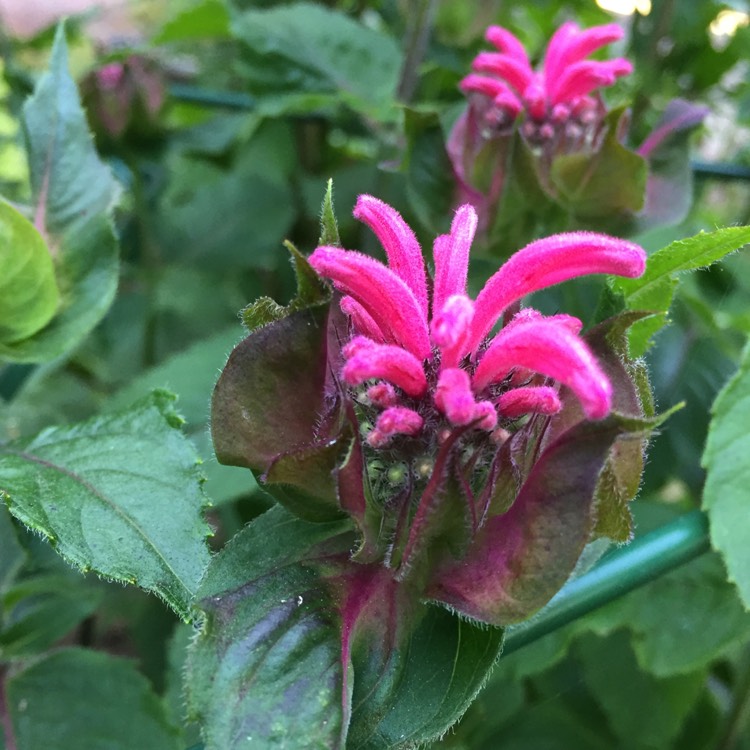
(5, 720)
(620, 572)
(739, 713)
(416, 45)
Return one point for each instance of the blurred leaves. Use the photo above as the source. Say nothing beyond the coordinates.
(77, 698)
(73, 194)
(725, 493)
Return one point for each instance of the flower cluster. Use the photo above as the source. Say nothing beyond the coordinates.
(560, 101)
(429, 359)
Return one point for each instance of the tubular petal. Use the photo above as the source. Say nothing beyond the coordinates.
(453, 396)
(493, 88)
(486, 413)
(451, 253)
(547, 262)
(556, 48)
(398, 420)
(583, 77)
(384, 295)
(398, 241)
(535, 399)
(382, 394)
(583, 43)
(361, 320)
(391, 363)
(450, 327)
(505, 67)
(552, 350)
(506, 42)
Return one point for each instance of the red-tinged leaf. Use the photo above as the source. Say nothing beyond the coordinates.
(520, 559)
(271, 408)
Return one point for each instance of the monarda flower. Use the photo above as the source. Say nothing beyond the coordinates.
(440, 464)
(560, 101)
(451, 443)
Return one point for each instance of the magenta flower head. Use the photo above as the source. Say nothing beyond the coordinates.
(431, 455)
(560, 102)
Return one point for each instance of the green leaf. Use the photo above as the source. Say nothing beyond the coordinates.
(192, 374)
(28, 291)
(439, 669)
(329, 229)
(208, 18)
(654, 290)
(605, 184)
(629, 700)
(39, 610)
(73, 194)
(270, 412)
(727, 462)
(82, 699)
(266, 668)
(430, 184)
(304, 57)
(119, 495)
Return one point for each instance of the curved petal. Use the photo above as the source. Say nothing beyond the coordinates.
(542, 399)
(508, 43)
(361, 320)
(586, 41)
(396, 420)
(398, 241)
(383, 294)
(391, 363)
(551, 349)
(553, 59)
(547, 262)
(583, 77)
(451, 253)
(505, 67)
(497, 90)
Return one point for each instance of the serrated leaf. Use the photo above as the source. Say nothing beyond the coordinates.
(73, 194)
(84, 699)
(266, 668)
(13, 554)
(119, 494)
(727, 462)
(28, 290)
(654, 290)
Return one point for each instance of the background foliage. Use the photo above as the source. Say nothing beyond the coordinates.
(171, 220)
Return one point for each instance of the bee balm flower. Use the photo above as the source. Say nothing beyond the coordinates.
(558, 100)
(430, 359)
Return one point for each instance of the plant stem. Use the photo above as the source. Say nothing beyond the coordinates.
(5, 722)
(416, 45)
(740, 710)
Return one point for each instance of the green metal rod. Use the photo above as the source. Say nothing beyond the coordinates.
(618, 573)
(211, 97)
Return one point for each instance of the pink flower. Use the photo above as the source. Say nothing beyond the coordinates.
(560, 97)
(427, 350)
